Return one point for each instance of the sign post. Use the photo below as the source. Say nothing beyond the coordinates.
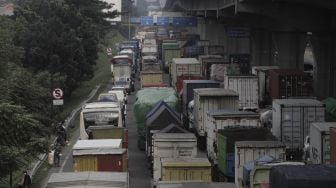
(57, 94)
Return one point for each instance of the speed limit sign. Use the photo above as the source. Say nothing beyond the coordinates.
(57, 93)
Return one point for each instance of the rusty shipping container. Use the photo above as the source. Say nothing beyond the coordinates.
(333, 146)
(286, 83)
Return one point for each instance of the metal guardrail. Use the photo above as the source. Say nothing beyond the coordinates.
(68, 121)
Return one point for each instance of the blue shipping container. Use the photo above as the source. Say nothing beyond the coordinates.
(230, 162)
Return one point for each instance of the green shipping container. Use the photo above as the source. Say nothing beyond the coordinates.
(226, 139)
(169, 51)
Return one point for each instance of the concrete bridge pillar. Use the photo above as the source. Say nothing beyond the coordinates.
(324, 49)
(283, 49)
(261, 51)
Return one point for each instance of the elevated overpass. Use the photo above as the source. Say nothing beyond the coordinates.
(278, 32)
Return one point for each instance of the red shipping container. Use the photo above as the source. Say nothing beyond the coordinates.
(333, 145)
(113, 162)
(179, 82)
(286, 83)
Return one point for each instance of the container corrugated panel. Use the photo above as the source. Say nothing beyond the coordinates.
(211, 99)
(333, 146)
(150, 67)
(285, 83)
(186, 169)
(307, 176)
(188, 90)
(246, 151)
(148, 78)
(222, 119)
(292, 118)
(262, 72)
(180, 79)
(320, 142)
(226, 139)
(247, 88)
(86, 179)
(169, 56)
(115, 163)
(184, 66)
(107, 132)
(85, 163)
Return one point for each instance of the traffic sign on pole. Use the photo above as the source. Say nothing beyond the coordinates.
(57, 93)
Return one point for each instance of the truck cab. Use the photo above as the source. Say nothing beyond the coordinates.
(121, 68)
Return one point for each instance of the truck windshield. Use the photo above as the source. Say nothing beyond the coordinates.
(121, 61)
(100, 118)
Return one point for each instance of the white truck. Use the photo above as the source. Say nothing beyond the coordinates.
(121, 68)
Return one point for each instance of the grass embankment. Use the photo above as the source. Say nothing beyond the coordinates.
(102, 76)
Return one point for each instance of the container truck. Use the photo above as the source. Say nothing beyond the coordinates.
(99, 114)
(99, 155)
(185, 169)
(151, 79)
(286, 83)
(320, 142)
(121, 68)
(172, 145)
(225, 146)
(208, 60)
(145, 100)
(149, 64)
(206, 99)
(246, 87)
(291, 121)
(222, 119)
(246, 151)
(262, 72)
(184, 67)
(169, 51)
(188, 94)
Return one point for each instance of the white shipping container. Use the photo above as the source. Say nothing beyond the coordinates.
(247, 88)
(320, 142)
(246, 151)
(184, 66)
(263, 82)
(221, 119)
(172, 145)
(206, 99)
(292, 118)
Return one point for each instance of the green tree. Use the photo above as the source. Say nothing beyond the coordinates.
(62, 37)
(21, 136)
